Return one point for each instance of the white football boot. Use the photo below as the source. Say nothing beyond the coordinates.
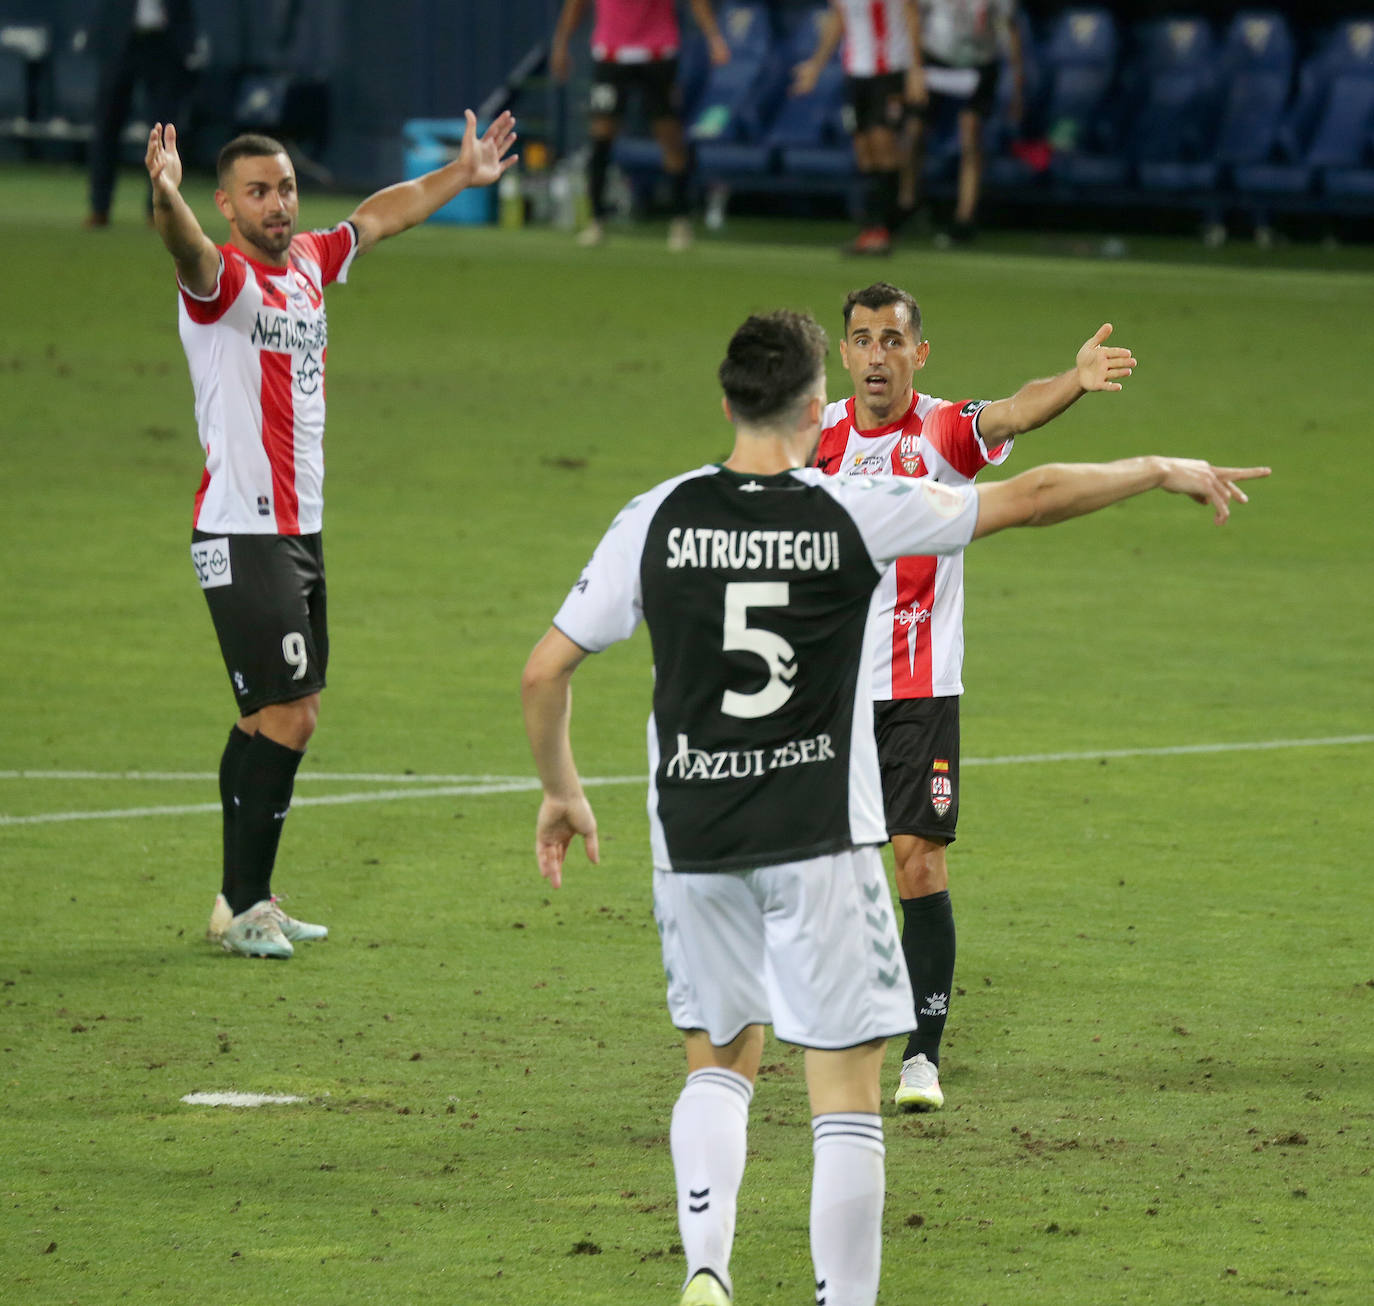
(257, 932)
(919, 1087)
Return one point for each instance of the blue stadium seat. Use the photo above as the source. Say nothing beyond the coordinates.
(1257, 61)
(1325, 136)
(1175, 105)
(1079, 116)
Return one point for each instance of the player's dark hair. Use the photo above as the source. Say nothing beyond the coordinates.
(879, 295)
(772, 362)
(251, 145)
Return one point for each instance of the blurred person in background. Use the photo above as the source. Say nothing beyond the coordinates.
(635, 46)
(962, 42)
(148, 43)
(884, 83)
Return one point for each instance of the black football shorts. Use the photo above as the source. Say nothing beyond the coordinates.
(267, 600)
(655, 82)
(918, 755)
(878, 101)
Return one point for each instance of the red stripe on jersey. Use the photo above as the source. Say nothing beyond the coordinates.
(830, 450)
(200, 493)
(878, 12)
(911, 661)
(279, 438)
(232, 274)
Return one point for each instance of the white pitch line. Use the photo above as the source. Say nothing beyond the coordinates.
(472, 786)
(526, 785)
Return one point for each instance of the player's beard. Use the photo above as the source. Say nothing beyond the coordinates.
(275, 243)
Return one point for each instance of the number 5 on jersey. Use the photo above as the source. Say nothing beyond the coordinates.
(777, 654)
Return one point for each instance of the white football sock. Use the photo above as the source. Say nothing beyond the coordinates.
(710, 1125)
(847, 1207)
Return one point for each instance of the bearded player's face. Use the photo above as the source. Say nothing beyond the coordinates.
(261, 204)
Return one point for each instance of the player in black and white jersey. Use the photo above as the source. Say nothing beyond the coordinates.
(765, 805)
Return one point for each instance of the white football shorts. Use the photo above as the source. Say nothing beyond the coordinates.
(809, 947)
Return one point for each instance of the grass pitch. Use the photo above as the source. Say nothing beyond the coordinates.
(1158, 1065)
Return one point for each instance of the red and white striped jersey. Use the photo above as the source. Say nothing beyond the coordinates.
(877, 38)
(634, 31)
(918, 607)
(256, 347)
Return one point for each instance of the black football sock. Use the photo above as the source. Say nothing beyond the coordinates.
(928, 945)
(884, 199)
(267, 776)
(597, 168)
(230, 761)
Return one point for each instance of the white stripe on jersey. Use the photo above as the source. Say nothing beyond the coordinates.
(917, 616)
(256, 348)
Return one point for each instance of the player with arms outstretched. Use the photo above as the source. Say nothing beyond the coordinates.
(888, 428)
(253, 326)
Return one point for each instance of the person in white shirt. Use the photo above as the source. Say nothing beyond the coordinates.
(253, 325)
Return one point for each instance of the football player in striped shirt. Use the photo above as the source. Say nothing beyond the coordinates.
(754, 577)
(887, 428)
(253, 326)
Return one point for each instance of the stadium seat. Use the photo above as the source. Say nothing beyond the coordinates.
(1256, 63)
(1325, 136)
(1173, 120)
(1079, 57)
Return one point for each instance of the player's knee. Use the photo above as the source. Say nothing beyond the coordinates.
(921, 869)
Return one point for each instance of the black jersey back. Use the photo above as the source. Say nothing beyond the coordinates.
(755, 590)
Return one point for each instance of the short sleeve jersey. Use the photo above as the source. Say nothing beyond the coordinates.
(256, 347)
(756, 590)
(965, 33)
(634, 31)
(918, 609)
(877, 38)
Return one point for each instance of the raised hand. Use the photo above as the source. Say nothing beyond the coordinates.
(486, 156)
(1100, 366)
(162, 160)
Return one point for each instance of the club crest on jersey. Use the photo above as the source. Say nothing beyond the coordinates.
(909, 456)
(941, 793)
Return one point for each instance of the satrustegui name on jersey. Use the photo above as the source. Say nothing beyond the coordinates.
(690, 763)
(703, 546)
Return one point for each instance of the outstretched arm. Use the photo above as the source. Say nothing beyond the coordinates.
(1057, 491)
(194, 253)
(481, 161)
(546, 693)
(1098, 366)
